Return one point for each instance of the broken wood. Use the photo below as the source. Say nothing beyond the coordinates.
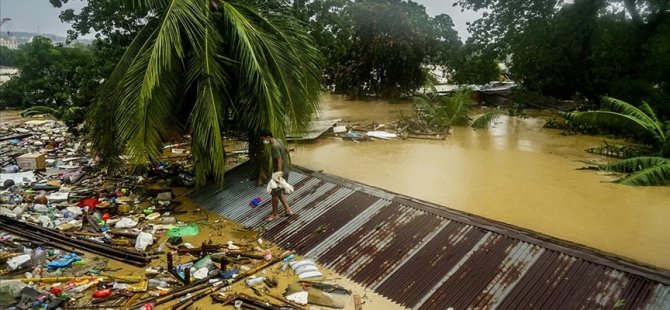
(358, 304)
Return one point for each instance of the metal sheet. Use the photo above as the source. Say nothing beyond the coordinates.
(425, 257)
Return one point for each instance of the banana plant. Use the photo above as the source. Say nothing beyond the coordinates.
(641, 121)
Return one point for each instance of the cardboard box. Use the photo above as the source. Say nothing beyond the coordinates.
(31, 162)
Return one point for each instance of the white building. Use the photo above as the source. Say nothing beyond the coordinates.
(7, 73)
(9, 43)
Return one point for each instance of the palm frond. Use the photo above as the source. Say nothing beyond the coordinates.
(206, 117)
(647, 110)
(615, 120)
(656, 175)
(293, 61)
(458, 108)
(147, 4)
(485, 120)
(257, 84)
(154, 81)
(635, 164)
(101, 117)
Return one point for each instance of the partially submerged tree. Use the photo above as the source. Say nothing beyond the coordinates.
(439, 113)
(200, 67)
(643, 123)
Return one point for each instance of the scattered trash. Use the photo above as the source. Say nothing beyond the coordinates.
(18, 261)
(143, 240)
(188, 230)
(306, 269)
(339, 129)
(62, 219)
(382, 135)
(125, 223)
(255, 202)
(298, 297)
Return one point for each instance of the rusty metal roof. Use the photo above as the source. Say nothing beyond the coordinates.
(425, 256)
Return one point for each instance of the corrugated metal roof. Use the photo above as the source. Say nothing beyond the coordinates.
(425, 256)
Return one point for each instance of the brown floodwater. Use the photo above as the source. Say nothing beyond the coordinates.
(516, 172)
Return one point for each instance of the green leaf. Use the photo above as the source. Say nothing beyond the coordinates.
(635, 164)
(485, 120)
(652, 176)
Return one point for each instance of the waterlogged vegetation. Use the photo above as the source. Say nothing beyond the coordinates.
(642, 123)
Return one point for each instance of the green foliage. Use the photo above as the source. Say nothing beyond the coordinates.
(472, 66)
(441, 112)
(51, 75)
(114, 23)
(592, 48)
(7, 57)
(644, 171)
(386, 55)
(377, 47)
(641, 121)
(203, 66)
(329, 24)
(486, 119)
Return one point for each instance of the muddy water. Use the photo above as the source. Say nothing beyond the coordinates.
(516, 172)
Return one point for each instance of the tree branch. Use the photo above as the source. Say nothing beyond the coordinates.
(631, 7)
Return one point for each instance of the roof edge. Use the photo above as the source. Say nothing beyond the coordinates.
(581, 251)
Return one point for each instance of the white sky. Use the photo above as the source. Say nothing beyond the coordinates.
(39, 16)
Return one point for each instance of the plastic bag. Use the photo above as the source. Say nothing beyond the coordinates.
(125, 223)
(143, 240)
(189, 230)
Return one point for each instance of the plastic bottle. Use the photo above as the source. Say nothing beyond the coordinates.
(158, 283)
(147, 306)
(254, 281)
(102, 293)
(38, 257)
(288, 258)
(40, 208)
(168, 220)
(188, 296)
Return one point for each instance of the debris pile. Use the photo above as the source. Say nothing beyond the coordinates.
(72, 237)
(406, 128)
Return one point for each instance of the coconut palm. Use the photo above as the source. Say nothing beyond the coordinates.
(643, 122)
(442, 112)
(203, 66)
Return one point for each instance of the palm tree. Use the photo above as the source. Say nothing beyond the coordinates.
(442, 112)
(641, 121)
(203, 66)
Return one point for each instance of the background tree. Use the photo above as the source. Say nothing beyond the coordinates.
(330, 26)
(471, 65)
(7, 57)
(589, 47)
(377, 47)
(51, 75)
(386, 54)
(114, 24)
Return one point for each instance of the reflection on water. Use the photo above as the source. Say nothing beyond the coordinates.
(516, 172)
